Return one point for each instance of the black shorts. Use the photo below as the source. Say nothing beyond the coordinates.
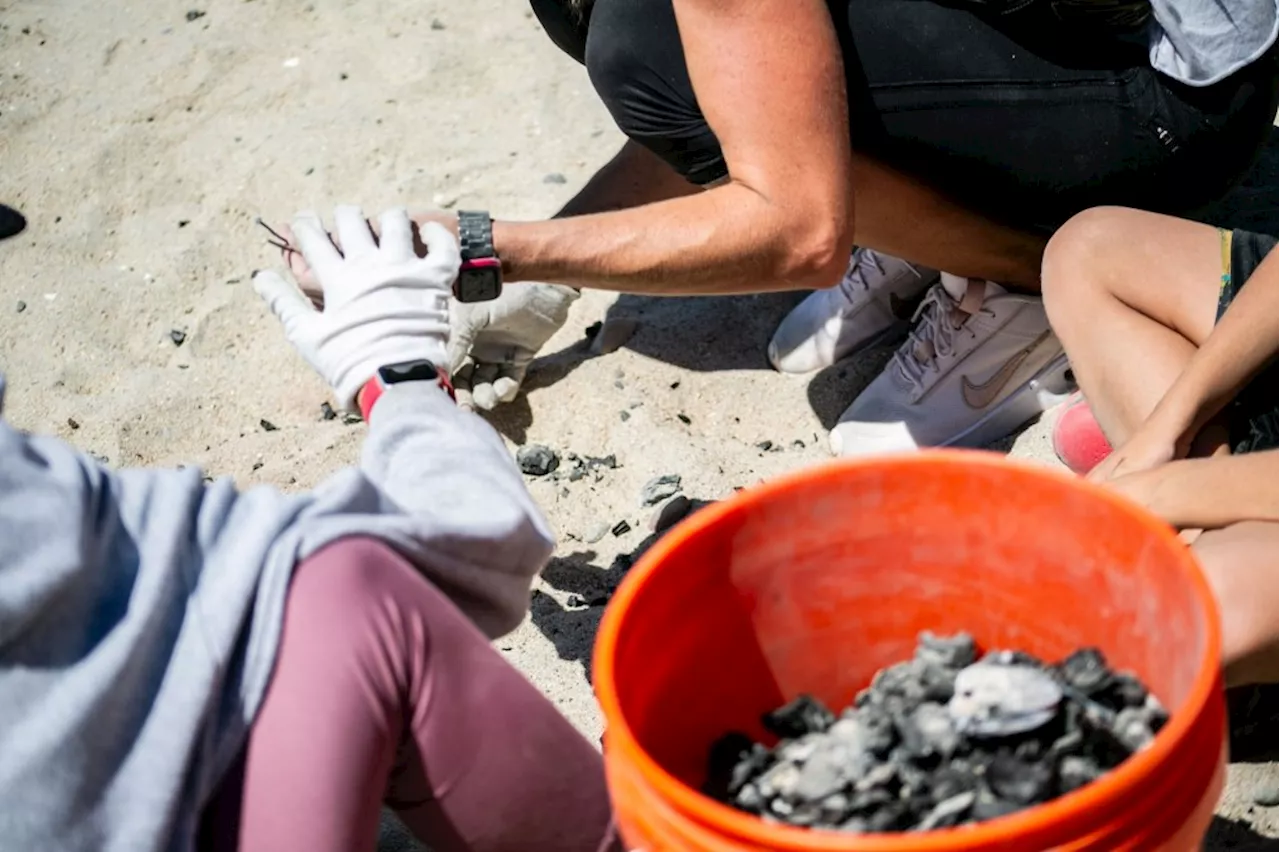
(1254, 417)
(1016, 120)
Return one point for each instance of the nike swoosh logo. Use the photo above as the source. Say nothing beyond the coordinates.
(903, 309)
(979, 396)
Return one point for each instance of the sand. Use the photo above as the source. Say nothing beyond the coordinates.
(142, 144)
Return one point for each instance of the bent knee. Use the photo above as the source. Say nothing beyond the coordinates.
(1077, 258)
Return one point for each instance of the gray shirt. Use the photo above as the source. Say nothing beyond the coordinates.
(140, 610)
(1200, 42)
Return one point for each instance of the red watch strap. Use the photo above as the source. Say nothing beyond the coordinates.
(372, 390)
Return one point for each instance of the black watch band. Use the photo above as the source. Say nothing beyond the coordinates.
(475, 234)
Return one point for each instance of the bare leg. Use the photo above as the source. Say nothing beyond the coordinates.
(897, 214)
(1242, 565)
(1131, 296)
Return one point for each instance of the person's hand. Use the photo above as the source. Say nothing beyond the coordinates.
(1152, 445)
(1152, 489)
(306, 277)
(383, 303)
(494, 342)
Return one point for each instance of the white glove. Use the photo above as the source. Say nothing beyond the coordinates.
(494, 342)
(382, 303)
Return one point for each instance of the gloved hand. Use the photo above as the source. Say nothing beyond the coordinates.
(382, 303)
(494, 342)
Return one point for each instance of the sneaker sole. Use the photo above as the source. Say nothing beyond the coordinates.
(1047, 388)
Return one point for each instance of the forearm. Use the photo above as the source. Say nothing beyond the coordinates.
(730, 239)
(634, 177)
(1209, 493)
(1241, 344)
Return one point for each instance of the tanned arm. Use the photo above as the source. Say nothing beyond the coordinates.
(761, 69)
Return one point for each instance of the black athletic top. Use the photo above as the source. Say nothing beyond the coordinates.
(636, 64)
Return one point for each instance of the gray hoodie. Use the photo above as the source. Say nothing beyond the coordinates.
(140, 610)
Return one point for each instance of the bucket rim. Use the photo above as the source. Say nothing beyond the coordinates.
(1061, 816)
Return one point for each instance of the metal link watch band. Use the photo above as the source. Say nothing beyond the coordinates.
(475, 234)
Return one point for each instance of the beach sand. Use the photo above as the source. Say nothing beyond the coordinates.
(141, 139)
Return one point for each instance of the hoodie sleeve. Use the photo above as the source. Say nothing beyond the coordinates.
(478, 534)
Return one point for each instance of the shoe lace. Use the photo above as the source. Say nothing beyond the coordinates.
(938, 322)
(864, 264)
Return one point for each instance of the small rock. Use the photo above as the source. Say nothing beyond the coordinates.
(952, 652)
(1019, 781)
(670, 513)
(268, 426)
(257, 465)
(929, 733)
(1267, 794)
(73, 423)
(22, 306)
(659, 488)
(1075, 771)
(342, 75)
(437, 24)
(764, 446)
(948, 812)
(802, 715)
(612, 335)
(195, 15)
(537, 459)
(596, 532)
(624, 416)
(350, 418)
(621, 528)
(555, 177)
(1132, 727)
(675, 384)
(684, 418)
(182, 223)
(327, 412)
(1086, 670)
(178, 336)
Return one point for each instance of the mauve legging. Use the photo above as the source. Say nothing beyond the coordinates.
(384, 691)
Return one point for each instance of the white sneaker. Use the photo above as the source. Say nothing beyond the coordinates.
(876, 297)
(979, 364)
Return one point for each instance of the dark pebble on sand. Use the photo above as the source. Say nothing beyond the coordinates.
(659, 488)
(268, 426)
(178, 336)
(437, 24)
(764, 446)
(906, 756)
(182, 223)
(195, 14)
(22, 306)
(537, 459)
(684, 418)
(73, 423)
(327, 412)
(555, 177)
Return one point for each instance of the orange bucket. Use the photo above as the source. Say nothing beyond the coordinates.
(813, 582)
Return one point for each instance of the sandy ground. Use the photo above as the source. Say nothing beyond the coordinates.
(141, 139)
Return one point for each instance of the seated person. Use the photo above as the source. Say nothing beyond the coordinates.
(187, 667)
(1171, 327)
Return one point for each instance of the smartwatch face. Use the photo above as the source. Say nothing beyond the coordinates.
(478, 284)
